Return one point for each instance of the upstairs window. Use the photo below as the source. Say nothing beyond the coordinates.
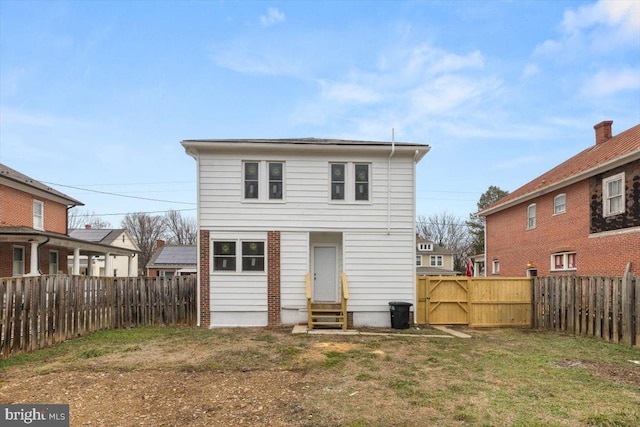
(362, 182)
(613, 194)
(337, 181)
(251, 180)
(560, 204)
(531, 216)
(425, 246)
(563, 261)
(275, 181)
(263, 181)
(18, 261)
(38, 215)
(435, 261)
(418, 260)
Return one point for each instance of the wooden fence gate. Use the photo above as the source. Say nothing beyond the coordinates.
(474, 301)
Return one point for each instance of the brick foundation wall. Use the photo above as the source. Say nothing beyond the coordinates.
(205, 271)
(273, 279)
(515, 247)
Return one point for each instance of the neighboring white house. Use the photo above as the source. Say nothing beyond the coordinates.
(271, 211)
(100, 264)
(433, 259)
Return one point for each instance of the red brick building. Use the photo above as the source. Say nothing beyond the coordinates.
(34, 238)
(581, 217)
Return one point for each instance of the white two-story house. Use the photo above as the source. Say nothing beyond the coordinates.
(286, 223)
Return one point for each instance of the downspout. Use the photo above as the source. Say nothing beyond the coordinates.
(38, 255)
(393, 150)
(195, 154)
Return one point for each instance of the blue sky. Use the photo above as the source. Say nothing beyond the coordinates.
(97, 95)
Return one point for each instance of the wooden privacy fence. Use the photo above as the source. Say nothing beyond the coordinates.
(38, 312)
(603, 307)
(473, 301)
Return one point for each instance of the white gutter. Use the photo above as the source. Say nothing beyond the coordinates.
(393, 150)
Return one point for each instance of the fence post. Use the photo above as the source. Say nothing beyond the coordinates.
(627, 306)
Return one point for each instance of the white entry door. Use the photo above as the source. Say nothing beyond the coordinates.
(325, 262)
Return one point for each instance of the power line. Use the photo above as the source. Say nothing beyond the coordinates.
(119, 195)
(127, 213)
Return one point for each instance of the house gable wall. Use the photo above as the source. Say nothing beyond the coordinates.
(16, 210)
(517, 248)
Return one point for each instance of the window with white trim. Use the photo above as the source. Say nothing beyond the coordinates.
(18, 261)
(239, 256)
(419, 260)
(435, 261)
(560, 204)
(350, 182)
(495, 266)
(563, 261)
(362, 182)
(38, 215)
(270, 174)
(425, 246)
(53, 262)
(613, 195)
(531, 216)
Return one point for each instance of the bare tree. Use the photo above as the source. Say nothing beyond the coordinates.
(448, 231)
(78, 218)
(181, 230)
(146, 230)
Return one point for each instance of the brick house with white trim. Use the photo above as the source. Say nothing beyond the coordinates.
(581, 217)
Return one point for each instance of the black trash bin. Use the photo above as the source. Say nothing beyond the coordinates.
(399, 314)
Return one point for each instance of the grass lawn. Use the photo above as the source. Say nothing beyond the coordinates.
(157, 376)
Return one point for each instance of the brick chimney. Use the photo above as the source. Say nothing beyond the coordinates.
(159, 243)
(87, 226)
(603, 131)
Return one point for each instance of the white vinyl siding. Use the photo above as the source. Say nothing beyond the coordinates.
(294, 259)
(613, 194)
(308, 200)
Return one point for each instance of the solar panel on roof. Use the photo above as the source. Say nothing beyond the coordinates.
(177, 255)
(90, 235)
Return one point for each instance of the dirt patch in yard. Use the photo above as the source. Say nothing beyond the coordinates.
(261, 377)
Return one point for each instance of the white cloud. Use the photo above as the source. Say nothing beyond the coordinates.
(609, 82)
(432, 60)
(10, 116)
(272, 17)
(348, 92)
(530, 70)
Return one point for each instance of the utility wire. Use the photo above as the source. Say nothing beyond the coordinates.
(119, 195)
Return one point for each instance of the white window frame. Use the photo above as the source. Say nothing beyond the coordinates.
(38, 218)
(264, 193)
(56, 265)
(239, 257)
(560, 204)
(418, 260)
(19, 271)
(425, 247)
(531, 219)
(436, 260)
(350, 183)
(495, 266)
(569, 261)
(608, 198)
(343, 182)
